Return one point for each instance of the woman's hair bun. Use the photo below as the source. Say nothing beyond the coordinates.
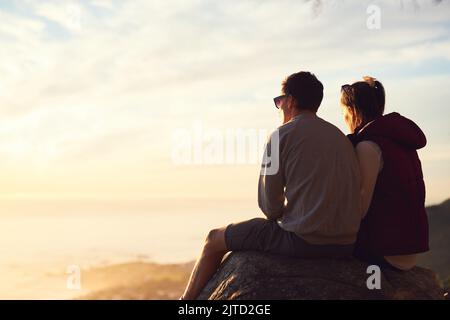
(371, 81)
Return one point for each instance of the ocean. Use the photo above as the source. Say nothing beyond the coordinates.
(43, 241)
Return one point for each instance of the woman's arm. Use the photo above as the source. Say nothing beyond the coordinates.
(370, 161)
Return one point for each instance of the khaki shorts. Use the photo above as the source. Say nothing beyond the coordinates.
(265, 235)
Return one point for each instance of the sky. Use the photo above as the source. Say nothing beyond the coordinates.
(96, 96)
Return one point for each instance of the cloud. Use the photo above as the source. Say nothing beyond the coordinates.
(77, 75)
(104, 4)
(156, 48)
(68, 14)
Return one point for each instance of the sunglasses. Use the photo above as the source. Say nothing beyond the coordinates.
(346, 88)
(277, 100)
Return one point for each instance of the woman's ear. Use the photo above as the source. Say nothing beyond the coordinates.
(351, 111)
(354, 116)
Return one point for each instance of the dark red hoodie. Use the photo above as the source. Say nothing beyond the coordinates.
(396, 222)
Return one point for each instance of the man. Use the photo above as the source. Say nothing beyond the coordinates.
(308, 190)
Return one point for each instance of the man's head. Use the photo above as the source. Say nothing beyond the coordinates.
(306, 90)
(303, 92)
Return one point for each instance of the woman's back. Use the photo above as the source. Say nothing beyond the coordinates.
(396, 222)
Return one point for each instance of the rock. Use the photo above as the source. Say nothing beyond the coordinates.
(248, 275)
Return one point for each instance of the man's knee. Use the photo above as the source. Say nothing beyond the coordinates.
(215, 240)
(212, 236)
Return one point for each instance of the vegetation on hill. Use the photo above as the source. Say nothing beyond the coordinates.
(438, 258)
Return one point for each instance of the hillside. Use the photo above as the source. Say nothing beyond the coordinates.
(438, 258)
(135, 281)
(141, 280)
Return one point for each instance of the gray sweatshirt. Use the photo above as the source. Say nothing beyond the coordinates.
(313, 187)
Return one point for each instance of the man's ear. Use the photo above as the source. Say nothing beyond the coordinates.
(291, 102)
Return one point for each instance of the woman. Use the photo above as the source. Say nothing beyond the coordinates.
(394, 227)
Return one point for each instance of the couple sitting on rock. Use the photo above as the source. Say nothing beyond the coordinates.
(328, 195)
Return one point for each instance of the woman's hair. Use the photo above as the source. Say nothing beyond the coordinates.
(366, 98)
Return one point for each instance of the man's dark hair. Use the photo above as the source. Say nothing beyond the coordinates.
(306, 89)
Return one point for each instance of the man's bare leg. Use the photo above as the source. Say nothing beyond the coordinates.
(207, 264)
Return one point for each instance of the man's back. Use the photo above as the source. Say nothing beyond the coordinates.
(320, 173)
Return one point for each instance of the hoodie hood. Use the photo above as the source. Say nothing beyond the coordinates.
(397, 128)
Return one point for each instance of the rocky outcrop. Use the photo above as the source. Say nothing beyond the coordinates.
(253, 275)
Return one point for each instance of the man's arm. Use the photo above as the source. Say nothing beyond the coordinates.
(271, 180)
